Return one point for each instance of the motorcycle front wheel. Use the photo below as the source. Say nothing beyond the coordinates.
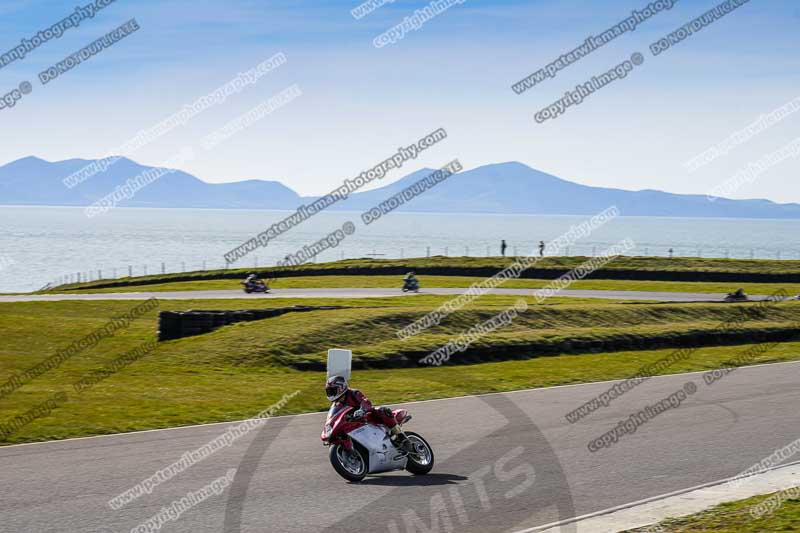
(350, 464)
(420, 460)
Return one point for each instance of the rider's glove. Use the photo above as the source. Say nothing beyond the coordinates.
(359, 414)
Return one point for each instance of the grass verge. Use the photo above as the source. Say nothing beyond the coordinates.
(733, 517)
(239, 370)
(394, 282)
(634, 268)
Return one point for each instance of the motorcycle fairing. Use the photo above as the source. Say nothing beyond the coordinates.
(383, 456)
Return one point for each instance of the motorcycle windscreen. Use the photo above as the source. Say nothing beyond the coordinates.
(335, 410)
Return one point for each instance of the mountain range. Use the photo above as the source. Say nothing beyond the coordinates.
(505, 188)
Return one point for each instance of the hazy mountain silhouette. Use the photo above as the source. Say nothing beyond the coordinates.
(34, 181)
(498, 188)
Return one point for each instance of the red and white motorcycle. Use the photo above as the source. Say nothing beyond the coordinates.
(359, 447)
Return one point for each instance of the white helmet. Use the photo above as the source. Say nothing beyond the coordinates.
(335, 387)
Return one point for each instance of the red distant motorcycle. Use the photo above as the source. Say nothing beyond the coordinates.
(360, 447)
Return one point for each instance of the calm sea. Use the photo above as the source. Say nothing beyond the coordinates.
(40, 245)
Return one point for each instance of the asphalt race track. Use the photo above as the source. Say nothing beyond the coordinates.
(364, 293)
(504, 462)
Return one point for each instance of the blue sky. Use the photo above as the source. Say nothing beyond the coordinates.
(360, 103)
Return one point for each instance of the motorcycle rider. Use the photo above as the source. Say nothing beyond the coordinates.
(738, 295)
(340, 393)
(410, 280)
(252, 281)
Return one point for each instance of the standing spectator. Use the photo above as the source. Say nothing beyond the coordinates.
(541, 248)
(503, 247)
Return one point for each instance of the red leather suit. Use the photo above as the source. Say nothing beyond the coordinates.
(380, 415)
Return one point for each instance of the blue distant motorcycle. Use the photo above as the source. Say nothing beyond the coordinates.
(411, 285)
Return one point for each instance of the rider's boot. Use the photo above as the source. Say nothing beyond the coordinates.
(400, 440)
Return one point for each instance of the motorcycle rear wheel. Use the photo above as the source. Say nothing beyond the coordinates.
(421, 462)
(350, 464)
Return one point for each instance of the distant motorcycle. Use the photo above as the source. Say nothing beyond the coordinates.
(411, 285)
(254, 286)
(738, 296)
(359, 447)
